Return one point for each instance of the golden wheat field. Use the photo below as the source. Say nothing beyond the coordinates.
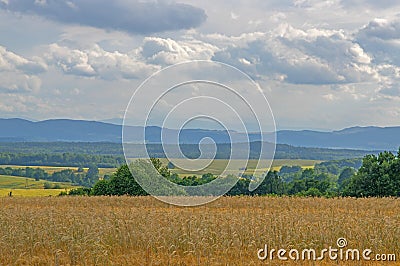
(229, 231)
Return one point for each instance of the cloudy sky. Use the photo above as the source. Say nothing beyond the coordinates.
(321, 64)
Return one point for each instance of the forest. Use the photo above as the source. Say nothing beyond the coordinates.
(26, 153)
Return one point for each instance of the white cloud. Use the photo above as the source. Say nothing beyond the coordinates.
(382, 28)
(359, 54)
(330, 97)
(19, 74)
(167, 51)
(71, 61)
(313, 56)
(96, 62)
(16, 82)
(10, 61)
(234, 16)
(23, 104)
(278, 17)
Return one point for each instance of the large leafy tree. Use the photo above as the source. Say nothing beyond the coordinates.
(379, 176)
(123, 183)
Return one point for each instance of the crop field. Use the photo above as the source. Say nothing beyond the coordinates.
(29, 187)
(48, 169)
(218, 165)
(215, 167)
(16, 182)
(229, 231)
(52, 169)
(31, 192)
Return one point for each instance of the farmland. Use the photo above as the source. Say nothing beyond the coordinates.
(218, 165)
(229, 231)
(215, 167)
(52, 169)
(15, 182)
(32, 192)
(28, 187)
(22, 186)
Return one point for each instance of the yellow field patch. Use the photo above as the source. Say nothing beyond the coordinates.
(4, 192)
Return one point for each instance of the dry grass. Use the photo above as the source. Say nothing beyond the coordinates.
(229, 231)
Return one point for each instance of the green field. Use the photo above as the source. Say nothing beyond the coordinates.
(28, 187)
(16, 182)
(217, 166)
(52, 169)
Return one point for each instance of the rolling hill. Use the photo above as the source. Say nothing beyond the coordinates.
(65, 130)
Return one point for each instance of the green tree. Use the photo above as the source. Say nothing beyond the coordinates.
(123, 183)
(47, 185)
(82, 191)
(160, 168)
(379, 176)
(102, 187)
(312, 192)
(345, 176)
(92, 175)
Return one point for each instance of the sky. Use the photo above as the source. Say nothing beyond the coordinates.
(323, 65)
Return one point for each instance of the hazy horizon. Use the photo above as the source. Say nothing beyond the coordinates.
(115, 122)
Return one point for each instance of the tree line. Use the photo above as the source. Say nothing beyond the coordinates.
(61, 159)
(115, 150)
(79, 178)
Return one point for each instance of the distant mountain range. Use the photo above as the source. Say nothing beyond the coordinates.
(364, 138)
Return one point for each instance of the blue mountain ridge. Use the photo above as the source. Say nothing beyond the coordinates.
(364, 138)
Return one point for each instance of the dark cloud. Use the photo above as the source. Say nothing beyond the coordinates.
(380, 38)
(129, 16)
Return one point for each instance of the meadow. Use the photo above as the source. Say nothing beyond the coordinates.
(29, 187)
(229, 231)
(214, 168)
(217, 166)
(52, 169)
(17, 182)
